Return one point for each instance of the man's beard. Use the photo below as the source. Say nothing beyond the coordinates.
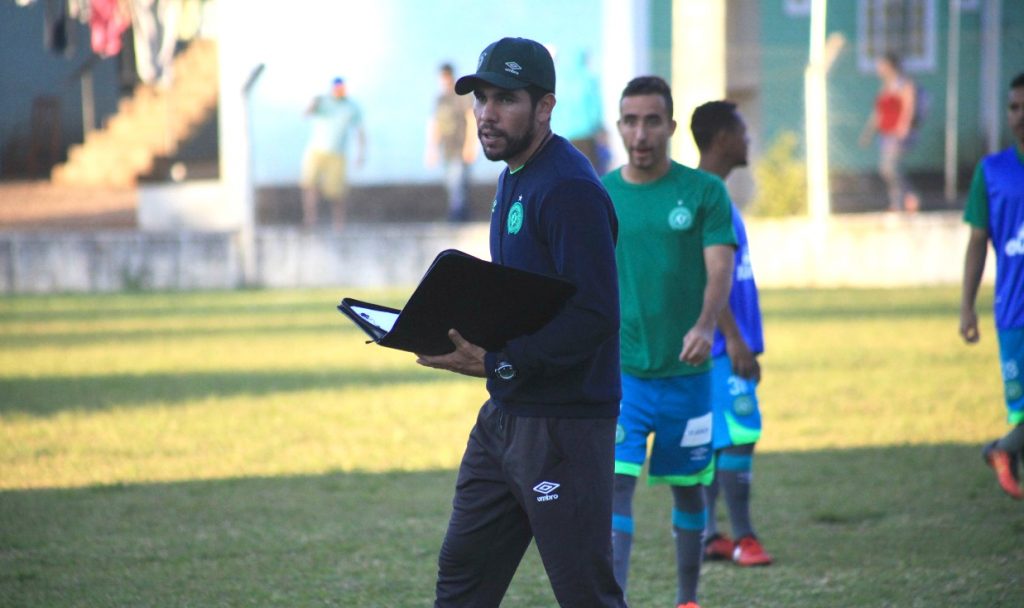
(514, 145)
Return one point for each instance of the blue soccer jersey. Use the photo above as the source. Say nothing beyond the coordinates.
(743, 300)
(996, 203)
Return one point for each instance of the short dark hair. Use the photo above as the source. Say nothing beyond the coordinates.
(710, 118)
(447, 68)
(536, 94)
(894, 60)
(649, 85)
(1018, 81)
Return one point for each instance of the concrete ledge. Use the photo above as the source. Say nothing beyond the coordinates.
(864, 250)
(362, 255)
(48, 262)
(197, 205)
(368, 255)
(870, 250)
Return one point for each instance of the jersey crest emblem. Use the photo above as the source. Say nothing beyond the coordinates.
(1014, 390)
(515, 217)
(680, 218)
(743, 406)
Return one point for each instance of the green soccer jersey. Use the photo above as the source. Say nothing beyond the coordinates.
(976, 207)
(664, 227)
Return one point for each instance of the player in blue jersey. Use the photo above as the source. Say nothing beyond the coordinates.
(995, 212)
(721, 137)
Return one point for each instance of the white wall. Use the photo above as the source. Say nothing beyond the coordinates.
(872, 250)
(866, 250)
(388, 51)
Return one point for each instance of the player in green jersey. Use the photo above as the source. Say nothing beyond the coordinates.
(675, 262)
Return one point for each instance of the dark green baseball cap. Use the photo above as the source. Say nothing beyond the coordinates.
(512, 63)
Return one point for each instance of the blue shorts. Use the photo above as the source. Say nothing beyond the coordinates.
(1011, 361)
(734, 401)
(677, 411)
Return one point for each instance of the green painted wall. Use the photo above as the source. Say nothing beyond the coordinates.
(661, 38)
(784, 42)
(1013, 55)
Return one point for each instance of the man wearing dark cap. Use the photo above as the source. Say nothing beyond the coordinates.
(539, 461)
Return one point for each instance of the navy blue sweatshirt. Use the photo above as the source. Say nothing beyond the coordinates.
(554, 217)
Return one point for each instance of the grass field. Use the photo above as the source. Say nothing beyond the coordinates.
(247, 449)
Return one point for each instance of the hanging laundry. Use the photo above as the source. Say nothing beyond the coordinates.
(190, 22)
(107, 21)
(155, 24)
(58, 28)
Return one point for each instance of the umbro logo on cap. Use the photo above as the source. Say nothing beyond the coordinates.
(512, 63)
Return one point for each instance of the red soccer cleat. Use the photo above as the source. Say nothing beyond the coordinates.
(749, 552)
(1001, 463)
(718, 547)
(688, 605)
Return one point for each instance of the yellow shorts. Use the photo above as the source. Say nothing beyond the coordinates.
(325, 171)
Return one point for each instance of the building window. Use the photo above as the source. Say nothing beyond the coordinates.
(903, 27)
(797, 8)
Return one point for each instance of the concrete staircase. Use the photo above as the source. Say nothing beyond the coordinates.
(152, 122)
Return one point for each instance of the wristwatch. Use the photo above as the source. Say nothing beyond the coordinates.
(505, 370)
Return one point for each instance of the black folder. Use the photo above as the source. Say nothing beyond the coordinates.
(489, 304)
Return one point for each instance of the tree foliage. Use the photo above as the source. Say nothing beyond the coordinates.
(781, 178)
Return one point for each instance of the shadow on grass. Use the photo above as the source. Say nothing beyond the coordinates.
(122, 310)
(896, 526)
(342, 328)
(329, 540)
(197, 305)
(49, 395)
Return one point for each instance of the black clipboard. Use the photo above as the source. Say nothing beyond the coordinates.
(489, 304)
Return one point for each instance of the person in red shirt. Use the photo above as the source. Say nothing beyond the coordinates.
(893, 119)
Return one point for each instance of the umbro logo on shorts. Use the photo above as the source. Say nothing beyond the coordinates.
(545, 489)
